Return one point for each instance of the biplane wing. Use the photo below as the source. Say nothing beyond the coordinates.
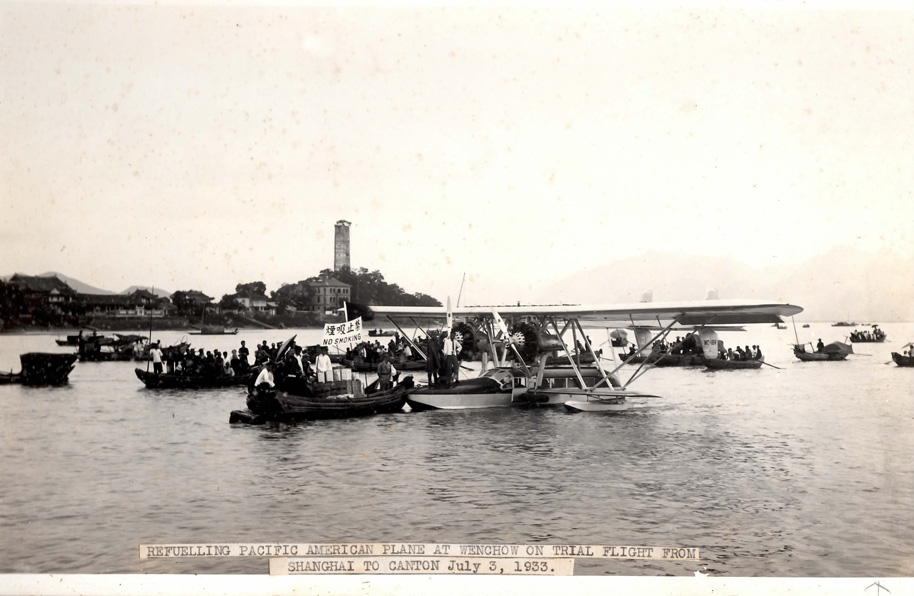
(706, 312)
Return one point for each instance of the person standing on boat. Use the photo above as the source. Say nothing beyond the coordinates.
(324, 366)
(385, 370)
(820, 347)
(155, 354)
(433, 362)
(265, 377)
(243, 356)
(450, 357)
(297, 359)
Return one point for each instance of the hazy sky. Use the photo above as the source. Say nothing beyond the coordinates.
(199, 147)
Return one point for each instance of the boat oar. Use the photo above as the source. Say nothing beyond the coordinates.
(772, 366)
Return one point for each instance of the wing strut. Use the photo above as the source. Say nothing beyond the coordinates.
(567, 353)
(593, 354)
(406, 337)
(660, 335)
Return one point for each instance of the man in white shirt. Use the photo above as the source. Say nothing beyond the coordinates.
(298, 359)
(265, 376)
(156, 355)
(323, 366)
(450, 357)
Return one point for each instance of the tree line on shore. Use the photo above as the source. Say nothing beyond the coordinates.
(24, 306)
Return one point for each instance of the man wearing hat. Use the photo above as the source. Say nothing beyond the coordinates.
(265, 377)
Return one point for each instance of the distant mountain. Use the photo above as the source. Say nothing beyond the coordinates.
(157, 291)
(82, 288)
(843, 284)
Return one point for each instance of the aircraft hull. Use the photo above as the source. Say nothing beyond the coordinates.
(473, 394)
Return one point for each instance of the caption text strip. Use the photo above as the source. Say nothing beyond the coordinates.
(399, 549)
(421, 565)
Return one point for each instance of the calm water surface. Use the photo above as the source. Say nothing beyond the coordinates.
(804, 471)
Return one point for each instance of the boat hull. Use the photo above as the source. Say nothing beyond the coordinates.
(819, 356)
(664, 360)
(733, 364)
(902, 360)
(179, 381)
(284, 405)
(42, 369)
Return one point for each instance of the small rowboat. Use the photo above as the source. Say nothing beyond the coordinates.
(833, 352)
(181, 381)
(717, 364)
(901, 359)
(877, 335)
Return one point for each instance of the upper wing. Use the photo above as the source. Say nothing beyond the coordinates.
(718, 312)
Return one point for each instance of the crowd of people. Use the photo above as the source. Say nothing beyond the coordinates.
(184, 360)
(441, 350)
(876, 334)
(691, 344)
(753, 353)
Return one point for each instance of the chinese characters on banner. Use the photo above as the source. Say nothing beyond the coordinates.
(337, 334)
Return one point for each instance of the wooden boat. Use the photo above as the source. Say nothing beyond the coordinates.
(663, 359)
(107, 349)
(718, 364)
(667, 359)
(834, 351)
(877, 335)
(41, 368)
(182, 381)
(300, 399)
(901, 359)
(73, 340)
(213, 330)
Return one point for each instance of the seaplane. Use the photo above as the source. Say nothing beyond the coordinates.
(511, 336)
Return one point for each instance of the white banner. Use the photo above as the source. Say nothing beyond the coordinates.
(343, 333)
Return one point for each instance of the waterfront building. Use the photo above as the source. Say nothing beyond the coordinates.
(327, 294)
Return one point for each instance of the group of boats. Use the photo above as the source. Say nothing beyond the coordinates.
(557, 376)
(553, 373)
